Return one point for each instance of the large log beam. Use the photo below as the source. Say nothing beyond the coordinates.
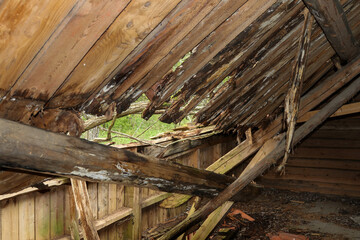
(28, 148)
(260, 163)
(332, 19)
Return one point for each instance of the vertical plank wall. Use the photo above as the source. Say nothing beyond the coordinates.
(46, 215)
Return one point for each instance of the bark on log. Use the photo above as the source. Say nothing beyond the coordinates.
(27, 148)
(258, 166)
(332, 19)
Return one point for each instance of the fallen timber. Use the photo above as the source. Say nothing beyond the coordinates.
(259, 165)
(41, 151)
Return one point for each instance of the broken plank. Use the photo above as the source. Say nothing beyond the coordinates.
(259, 165)
(46, 152)
(212, 220)
(332, 19)
(292, 99)
(82, 202)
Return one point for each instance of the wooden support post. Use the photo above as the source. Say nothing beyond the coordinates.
(259, 164)
(332, 19)
(41, 151)
(292, 99)
(82, 203)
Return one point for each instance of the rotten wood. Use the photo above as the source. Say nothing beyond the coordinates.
(332, 19)
(259, 164)
(82, 202)
(292, 99)
(46, 152)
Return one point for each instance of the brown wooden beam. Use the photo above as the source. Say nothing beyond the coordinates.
(28, 148)
(332, 19)
(261, 162)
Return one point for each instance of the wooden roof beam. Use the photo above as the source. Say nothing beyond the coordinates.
(332, 19)
(31, 149)
(270, 153)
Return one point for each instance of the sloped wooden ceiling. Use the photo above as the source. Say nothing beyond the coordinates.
(59, 58)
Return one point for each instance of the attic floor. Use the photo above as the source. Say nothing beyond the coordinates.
(310, 215)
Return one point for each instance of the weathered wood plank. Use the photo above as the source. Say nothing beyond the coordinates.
(79, 30)
(42, 217)
(57, 215)
(331, 17)
(259, 164)
(137, 214)
(57, 154)
(211, 45)
(158, 43)
(10, 220)
(212, 220)
(26, 216)
(103, 206)
(137, 20)
(26, 26)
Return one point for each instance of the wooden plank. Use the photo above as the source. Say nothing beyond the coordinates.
(213, 44)
(131, 27)
(330, 143)
(58, 154)
(103, 206)
(57, 197)
(137, 214)
(337, 134)
(26, 216)
(332, 19)
(259, 164)
(310, 186)
(68, 210)
(344, 110)
(177, 24)
(212, 220)
(82, 202)
(79, 30)
(10, 220)
(12, 182)
(26, 25)
(339, 164)
(93, 196)
(328, 153)
(319, 175)
(39, 186)
(42, 216)
(112, 209)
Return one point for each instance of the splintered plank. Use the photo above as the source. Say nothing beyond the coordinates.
(134, 23)
(212, 45)
(25, 27)
(79, 30)
(10, 220)
(26, 216)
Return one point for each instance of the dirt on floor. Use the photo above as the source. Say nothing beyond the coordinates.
(281, 215)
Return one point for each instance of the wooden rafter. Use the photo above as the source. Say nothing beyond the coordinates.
(46, 152)
(260, 163)
(332, 19)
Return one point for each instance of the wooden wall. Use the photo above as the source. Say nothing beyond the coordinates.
(328, 161)
(47, 215)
